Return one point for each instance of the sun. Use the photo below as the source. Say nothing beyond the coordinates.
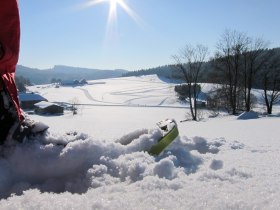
(112, 20)
(114, 4)
(113, 9)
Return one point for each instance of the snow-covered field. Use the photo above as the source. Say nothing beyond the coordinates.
(217, 163)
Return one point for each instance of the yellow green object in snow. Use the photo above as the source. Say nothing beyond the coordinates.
(170, 134)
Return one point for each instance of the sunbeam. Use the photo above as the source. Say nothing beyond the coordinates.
(112, 33)
(114, 4)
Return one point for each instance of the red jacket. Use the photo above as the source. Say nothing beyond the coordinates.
(10, 41)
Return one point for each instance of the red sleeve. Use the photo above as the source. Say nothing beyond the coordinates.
(10, 41)
(9, 35)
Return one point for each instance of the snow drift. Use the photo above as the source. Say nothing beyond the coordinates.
(86, 163)
(248, 115)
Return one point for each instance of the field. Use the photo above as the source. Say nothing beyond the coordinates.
(217, 163)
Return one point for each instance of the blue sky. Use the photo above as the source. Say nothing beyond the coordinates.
(63, 32)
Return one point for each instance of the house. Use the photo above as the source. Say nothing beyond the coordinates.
(73, 82)
(27, 100)
(45, 107)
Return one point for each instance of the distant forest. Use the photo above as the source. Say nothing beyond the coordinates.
(239, 65)
(208, 74)
(64, 73)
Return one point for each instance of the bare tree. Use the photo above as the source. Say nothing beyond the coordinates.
(254, 60)
(271, 82)
(228, 62)
(74, 105)
(190, 62)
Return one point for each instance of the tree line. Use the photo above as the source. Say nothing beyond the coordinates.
(21, 83)
(239, 64)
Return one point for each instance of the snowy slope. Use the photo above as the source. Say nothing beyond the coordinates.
(145, 90)
(218, 163)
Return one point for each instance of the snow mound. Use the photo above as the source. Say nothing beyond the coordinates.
(203, 146)
(248, 115)
(228, 175)
(86, 163)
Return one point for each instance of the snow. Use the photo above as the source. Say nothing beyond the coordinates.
(217, 163)
(44, 104)
(248, 115)
(132, 91)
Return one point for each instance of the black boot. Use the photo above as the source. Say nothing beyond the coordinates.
(28, 128)
(7, 116)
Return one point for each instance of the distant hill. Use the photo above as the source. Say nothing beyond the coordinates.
(39, 76)
(170, 72)
(208, 74)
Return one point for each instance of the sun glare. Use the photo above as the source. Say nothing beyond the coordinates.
(114, 5)
(112, 33)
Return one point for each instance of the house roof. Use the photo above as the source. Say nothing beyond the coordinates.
(45, 104)
(31, 97)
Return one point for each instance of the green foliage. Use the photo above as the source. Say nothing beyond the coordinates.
(168, 71)
(182, 90)
(21, 83)
(54, 80)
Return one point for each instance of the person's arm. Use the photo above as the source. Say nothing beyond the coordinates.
(1, 51)
(7, 57)
(10, 41)
(9, 35)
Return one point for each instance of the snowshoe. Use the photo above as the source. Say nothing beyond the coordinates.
(169, 134)
(8, 115)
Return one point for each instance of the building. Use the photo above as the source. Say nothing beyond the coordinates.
(27, 100)
(45, 107)
(73, 82)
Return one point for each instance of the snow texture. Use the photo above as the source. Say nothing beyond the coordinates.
(85, 163)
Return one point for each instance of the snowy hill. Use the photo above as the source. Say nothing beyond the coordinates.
(39, 76)
(218, 163)
(145, 90)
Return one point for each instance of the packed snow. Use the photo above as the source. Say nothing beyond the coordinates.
(217, 163)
